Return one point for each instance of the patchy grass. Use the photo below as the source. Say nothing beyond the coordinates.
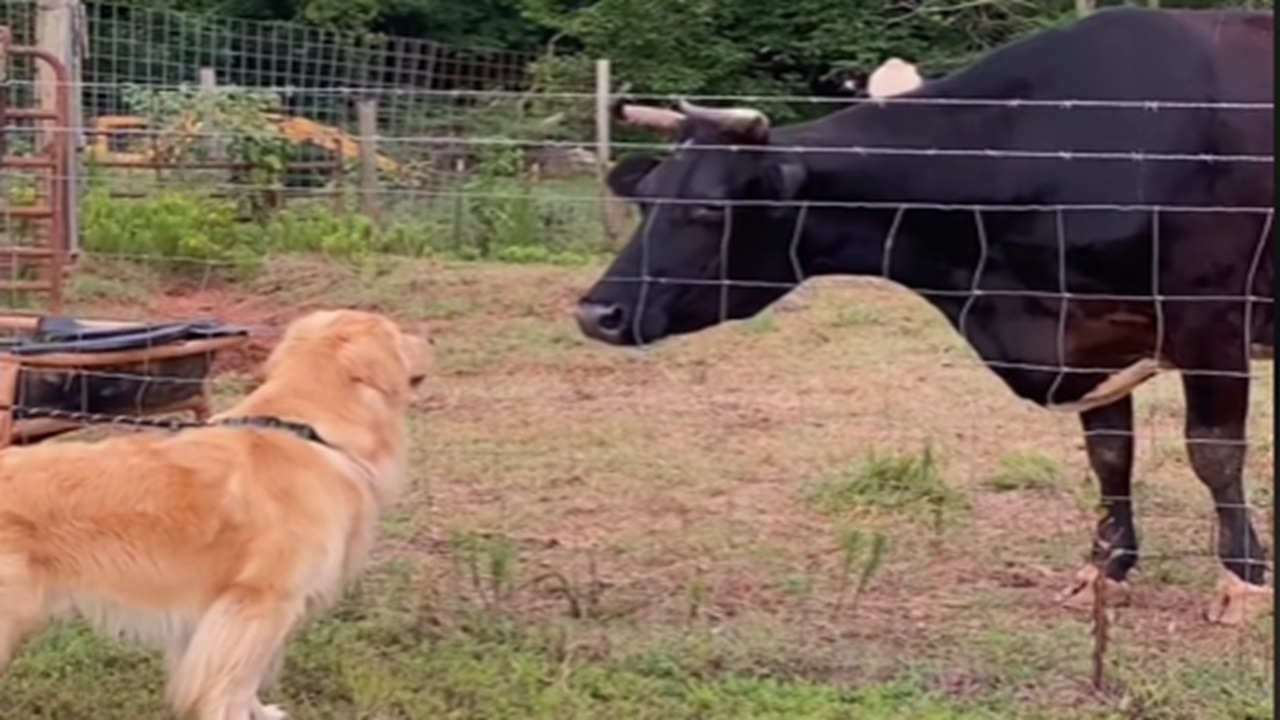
(909, 483)
(762, 324)
(724, 526)
(388, 665)
(1025, 470)
(854, 316)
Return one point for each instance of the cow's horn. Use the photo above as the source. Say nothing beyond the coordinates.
(743, 120)
(648, 116)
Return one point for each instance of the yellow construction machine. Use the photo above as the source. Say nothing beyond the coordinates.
(125, 140)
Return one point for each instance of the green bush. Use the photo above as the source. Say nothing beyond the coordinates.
(176, 230)
(187, 232)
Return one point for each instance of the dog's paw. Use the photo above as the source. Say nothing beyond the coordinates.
(268, 712)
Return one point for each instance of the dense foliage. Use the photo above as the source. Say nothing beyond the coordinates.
(696, 46)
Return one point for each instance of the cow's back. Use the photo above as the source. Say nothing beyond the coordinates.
(1241, 46)
(1148, 85)
(1140, 54)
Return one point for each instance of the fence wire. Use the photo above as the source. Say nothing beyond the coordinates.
(207, 208)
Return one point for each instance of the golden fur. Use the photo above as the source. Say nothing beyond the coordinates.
(213, 543)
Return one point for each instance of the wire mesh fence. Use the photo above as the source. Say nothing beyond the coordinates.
(247, 115)
(836, 486)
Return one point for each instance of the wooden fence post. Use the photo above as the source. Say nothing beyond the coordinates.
(6, 39)
(53, 35)
(55, 32)
(609, 209)
(214, 144)
(367, 123)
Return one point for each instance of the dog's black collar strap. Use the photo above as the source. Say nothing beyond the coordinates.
(306, 432)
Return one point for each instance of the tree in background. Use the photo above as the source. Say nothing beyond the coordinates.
(695, 47)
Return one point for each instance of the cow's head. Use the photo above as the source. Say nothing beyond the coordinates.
(715, 237)
(719, 232)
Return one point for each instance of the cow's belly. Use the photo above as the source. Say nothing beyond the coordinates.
(1080, 387)
(1074, 390)
(1112, 387)
(1092, 357)
(1263, 332)
(1095, 356)
(1119, 384)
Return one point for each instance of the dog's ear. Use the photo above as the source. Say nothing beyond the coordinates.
(372, 356)
(300, 332)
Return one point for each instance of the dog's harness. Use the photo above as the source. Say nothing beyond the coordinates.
(266, 422)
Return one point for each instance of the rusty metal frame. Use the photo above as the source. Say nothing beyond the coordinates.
(53, 158)
(29, 430)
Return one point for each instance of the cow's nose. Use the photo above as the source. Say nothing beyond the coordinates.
(602, 321)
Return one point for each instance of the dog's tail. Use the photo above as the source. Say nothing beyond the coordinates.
(231, 653)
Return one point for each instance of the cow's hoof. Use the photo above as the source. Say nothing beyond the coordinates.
(1237, 602)
(1080, 593)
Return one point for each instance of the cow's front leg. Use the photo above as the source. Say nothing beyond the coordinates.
(1217, 410)
(1108, 433)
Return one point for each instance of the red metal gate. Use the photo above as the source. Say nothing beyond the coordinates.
(35, 232)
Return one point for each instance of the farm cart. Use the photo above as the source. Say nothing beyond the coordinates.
(60, 374)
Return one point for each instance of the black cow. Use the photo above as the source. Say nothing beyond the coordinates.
(1106, 239)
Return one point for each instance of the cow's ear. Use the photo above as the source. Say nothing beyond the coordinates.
(627, 173)
(787, 176)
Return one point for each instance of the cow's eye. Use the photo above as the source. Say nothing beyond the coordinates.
(707, 213)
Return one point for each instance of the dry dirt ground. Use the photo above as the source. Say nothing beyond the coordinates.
(834, 491)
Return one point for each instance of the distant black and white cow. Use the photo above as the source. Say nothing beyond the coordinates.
(1078, 247)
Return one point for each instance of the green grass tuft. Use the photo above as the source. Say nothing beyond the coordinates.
(896, 482)
(1023, 470)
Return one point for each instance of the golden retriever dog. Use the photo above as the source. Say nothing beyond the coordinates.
(213, 543)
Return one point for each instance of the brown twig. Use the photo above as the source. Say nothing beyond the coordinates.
(1101, 622)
